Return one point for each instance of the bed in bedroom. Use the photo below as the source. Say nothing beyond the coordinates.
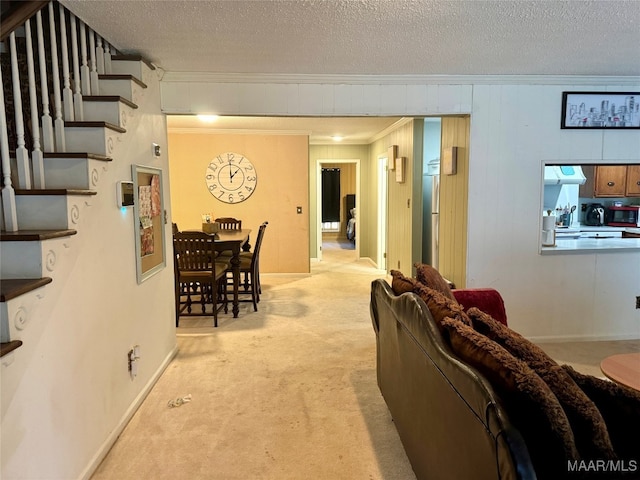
(351, 217)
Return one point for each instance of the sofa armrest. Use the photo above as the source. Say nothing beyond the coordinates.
(488, 300)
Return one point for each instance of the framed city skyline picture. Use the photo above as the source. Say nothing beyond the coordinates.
(600, 110)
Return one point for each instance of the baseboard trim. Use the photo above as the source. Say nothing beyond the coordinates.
(583, 338)
(133, 408)
(372, 262)
(276, 274)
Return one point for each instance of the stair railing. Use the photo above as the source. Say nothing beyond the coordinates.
(67, 73)
(8, 194)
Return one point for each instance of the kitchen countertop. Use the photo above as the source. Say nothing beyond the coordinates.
(608, 239)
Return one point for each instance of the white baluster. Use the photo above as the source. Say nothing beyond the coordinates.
(86, 83)
(58, 123)
(8, 194)
(77, 89)
(37, 159)
(48, 144)
(67, 94)
(95, 89)
(22, 154)
(99, 55)
(107, 57)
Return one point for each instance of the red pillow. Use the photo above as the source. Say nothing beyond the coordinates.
(488, 300)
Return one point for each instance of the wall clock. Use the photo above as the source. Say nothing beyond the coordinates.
(231, 177)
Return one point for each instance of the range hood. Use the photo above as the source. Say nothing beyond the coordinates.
(563, 175)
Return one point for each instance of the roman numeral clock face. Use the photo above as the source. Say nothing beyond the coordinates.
(231, 177)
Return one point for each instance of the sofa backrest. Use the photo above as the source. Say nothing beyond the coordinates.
(447, 415)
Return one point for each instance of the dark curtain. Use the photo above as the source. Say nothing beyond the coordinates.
(330, 194)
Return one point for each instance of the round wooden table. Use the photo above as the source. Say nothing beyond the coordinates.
(623, 368)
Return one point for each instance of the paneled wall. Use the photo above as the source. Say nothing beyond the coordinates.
(453, 203)
(515, 129)
(401, 196)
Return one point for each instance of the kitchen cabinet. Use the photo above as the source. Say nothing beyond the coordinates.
(610, 180)
(633, 181)
(605, 181)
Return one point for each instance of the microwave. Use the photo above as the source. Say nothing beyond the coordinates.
(622, 216)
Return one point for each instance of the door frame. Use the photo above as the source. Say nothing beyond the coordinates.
(319, 163)
(383, 181)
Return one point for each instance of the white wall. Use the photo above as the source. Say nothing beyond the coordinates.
(66, 393)
(515, 127)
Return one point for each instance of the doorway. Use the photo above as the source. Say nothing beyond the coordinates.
(383, 163)
(345, 235)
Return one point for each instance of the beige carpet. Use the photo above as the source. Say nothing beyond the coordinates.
(288, 392)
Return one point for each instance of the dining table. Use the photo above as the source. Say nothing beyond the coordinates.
(233, 241)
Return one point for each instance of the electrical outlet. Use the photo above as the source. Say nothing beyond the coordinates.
(638, 302)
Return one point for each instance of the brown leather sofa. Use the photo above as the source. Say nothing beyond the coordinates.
(472, 399)
(447, 415)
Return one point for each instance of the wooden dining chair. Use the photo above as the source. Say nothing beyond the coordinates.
(229, 223)
(198, 272)
(250, 267)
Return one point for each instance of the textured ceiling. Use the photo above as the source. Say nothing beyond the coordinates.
(368, 37)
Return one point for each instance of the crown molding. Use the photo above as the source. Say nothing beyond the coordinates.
(203, 77)
(394, 126)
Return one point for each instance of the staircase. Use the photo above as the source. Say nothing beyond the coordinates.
(56, 181)
(72, 303)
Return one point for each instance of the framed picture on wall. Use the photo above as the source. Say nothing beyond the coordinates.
(148, 216)
(610, 110)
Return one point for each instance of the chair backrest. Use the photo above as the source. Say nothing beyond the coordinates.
(174, 227)
(229, 223)
(193, 251)
(256, 248)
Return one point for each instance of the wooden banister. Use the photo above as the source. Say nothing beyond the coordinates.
(15, 13)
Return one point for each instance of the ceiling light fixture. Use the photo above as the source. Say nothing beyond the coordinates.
(337, 138)
(207, 118)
